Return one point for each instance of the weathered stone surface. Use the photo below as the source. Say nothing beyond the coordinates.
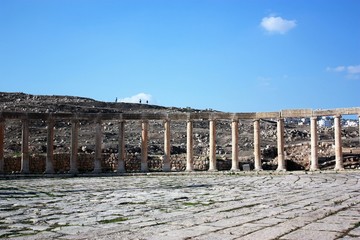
(174, 206)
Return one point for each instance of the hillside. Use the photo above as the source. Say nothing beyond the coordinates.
(297, 137)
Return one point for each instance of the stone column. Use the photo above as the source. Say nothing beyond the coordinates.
(339, 165)
(167, 147)
(98, 143)
(235, 145)
(50, 147)
(314, 144)
(280, 145)
(25, 163)
(212, 142)
(2, 133)
(74, 147)
(144, 146)
(121, 150)
(189, 146)
(257, 153)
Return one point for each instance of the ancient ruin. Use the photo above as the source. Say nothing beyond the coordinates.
(167, 118)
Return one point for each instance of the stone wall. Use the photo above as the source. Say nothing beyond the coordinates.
(109, 163)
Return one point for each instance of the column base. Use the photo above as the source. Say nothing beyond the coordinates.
(189, 168)
(25, 166)
(212, 170)
(97, 167)
(281, 170)
(144, 167)
(234, 170)
(97, 170)
(49, 171)
(121, 168)
(49, 167)
(166, 167)
(315, 168)
(74, 172)
(339, 169)
(258, 169)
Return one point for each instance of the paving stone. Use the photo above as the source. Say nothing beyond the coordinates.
(242, 230)
(337, 227)
(213, 206)
(311, 235)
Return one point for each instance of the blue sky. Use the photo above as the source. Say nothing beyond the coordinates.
(228, 55)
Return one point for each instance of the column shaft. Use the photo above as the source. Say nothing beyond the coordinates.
(2, 133)
(212, 142)
(235, 145)
(121, 150)
(167, 147)
(144, 146)
(25, 162)
(339, 165)
(189, 146)
(257, 153)
(314, 144)
(74, 147)
(98, 143)
(50, 147)
(280, 145)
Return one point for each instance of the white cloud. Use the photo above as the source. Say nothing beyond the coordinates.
(352, 72)
(336, 69)
(353, 69)
(277, 24)
(144, 97)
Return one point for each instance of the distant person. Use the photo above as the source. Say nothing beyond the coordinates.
(139, 100)
(116, 100)
(147, 101)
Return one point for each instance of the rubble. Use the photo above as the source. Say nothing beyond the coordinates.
(297, 150)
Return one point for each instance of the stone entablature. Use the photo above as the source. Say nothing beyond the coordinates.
(295, 113)
(212, 117)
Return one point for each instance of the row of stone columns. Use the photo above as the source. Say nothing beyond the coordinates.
(2, 133)
(280, 145)
(339, 164)
(166, 160)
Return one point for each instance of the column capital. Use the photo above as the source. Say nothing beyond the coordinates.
(25, 118)
(337, 116)
(74, 120)
(50, 119)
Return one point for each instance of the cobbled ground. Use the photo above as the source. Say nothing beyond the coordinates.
(193, 206)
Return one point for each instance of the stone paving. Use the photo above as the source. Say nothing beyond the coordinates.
(176, 206)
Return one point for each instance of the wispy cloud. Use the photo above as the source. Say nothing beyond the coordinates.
(352, 72)
(354, 69)
(274, 24)
(143, 97)
(264, 82)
